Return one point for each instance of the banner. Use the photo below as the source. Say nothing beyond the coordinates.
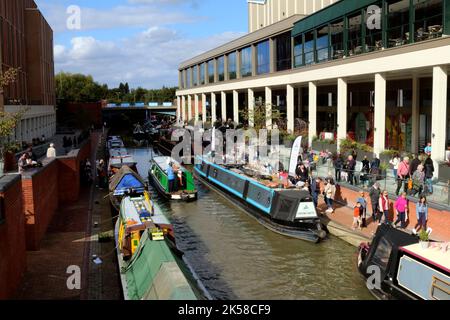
(295, 153)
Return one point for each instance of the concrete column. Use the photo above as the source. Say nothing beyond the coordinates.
(290, 108)
(196, 106)
(183, 108)
(213, 108)
(236, 106)
(251, 107)
(224, 106)
(342, 111)
(269, 108)
(415, 114)
(179, 109)
(312, 111)
(379, 144)
(439, 116)
(204, 108)
(189, 117)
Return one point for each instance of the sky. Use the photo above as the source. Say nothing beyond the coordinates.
(141, 42)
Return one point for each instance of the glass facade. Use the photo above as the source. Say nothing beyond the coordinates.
(246, 62)
(202, 74)
(398, 23)
(337, 39)
(428, 22)
(195, 81)
(182, 79)
(263, 57)
(355, 41)
(298, 52)
(283, 52)
(309, 48)
(232, 66)
(188, 78)
(211, 71)
(221, 68)
(322, 46)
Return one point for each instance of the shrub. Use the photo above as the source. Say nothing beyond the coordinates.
(424, 236)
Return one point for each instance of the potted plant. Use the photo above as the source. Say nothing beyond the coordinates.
(424, 239)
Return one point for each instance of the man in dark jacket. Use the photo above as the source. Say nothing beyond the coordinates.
(351, 165)
(315, 190)
(429, 174)
(414, 164)
(338, 165)
(374, 194)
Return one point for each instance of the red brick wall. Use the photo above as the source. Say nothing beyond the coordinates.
(69, 174)
(40, 199)
(12, 241)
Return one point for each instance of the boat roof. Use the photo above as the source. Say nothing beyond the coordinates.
(124, 180)
(121, 161)
(120, 152)
(130, 210)
(433, 255)
(163, 162)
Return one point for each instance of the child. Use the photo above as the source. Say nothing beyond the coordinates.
(362, 200)
(357, 216)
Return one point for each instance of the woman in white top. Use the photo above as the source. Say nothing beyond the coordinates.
(395, 161)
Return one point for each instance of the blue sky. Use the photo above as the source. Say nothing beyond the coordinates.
(140, 42)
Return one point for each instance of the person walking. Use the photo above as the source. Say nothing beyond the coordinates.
(428, 149)
(315, 190)
(51, 151)
(384, 208)
(395, 161)
(351, 165)
(429, 174)
(338, 166)
(362, 200)
(418, 180)
(403, 175)
(374, 195)
(329, 192)
(422, 215)
(401, 208)
(415, 163)
(357, 213)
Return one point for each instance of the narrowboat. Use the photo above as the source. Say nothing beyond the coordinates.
(289, 212)
(119, 161)
(184, 187)
(149, 269)
(406, 269)
(125, 180)
(115, 142)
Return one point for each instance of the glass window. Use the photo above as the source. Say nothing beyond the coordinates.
(284, 46)
(382, 254)
(246, 62)
(337, 39)
(195, 82)
(429, 19)
(232, 66)
(398, 23)
(182, 79)
(211, 71)
(188, 78)
(322, 44)
(354, 35)
(309, 48)
(263, 57)
(202, 73)
(221, 68)
(374, 35)
(298, 51)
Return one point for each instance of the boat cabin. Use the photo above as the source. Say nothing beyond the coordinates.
(159, 169)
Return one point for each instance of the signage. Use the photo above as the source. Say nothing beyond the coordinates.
(306, 210)
(295, 152)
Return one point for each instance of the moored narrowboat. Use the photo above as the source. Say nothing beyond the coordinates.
(289, 212)
(149, 269)
(124, 181)
(406, 270)
(183, 188)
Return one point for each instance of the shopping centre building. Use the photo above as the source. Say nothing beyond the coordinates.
(26, 43)
(373, 70)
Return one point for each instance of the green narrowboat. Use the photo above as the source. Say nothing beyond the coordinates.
(182, 188)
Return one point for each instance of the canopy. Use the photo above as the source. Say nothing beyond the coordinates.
(126, 179)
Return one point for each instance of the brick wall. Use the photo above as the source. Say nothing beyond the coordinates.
(12, 237)
(69, 173)
(40, 201)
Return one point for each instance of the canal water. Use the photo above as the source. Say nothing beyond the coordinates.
(237, 258)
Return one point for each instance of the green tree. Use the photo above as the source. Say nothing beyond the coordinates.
(79, 88)
(259, 114)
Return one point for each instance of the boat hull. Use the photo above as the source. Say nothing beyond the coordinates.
(292, 232)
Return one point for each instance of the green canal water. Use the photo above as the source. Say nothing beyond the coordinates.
(237, 258)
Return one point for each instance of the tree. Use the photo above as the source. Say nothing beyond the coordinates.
(259, 114)
(79, 88)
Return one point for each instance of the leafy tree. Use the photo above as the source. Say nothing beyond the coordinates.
(79, 88)
(259, 114)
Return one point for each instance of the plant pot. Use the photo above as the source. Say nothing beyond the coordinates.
(425, 244)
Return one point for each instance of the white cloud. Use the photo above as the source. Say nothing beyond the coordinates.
(149, 58)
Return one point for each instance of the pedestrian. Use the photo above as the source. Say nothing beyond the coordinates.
(22, 163)
(374, 195)
(414, 164)
(428, 149)
(338, 165)
(315, 190)
(422, 215)
(365, 171)
(101, 174)
(429, 174)
(171, 177)
(418, 180)
(351, 165)
(362, 200)
(302, 173)
(401, 208)
(384, 207)
(51, 151)
(395, 161)
(329, 193)
(357, 216)
(403, 175)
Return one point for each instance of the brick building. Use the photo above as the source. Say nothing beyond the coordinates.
(26, 42)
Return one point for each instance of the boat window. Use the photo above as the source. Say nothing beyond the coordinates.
(286, 206)
(382, 254)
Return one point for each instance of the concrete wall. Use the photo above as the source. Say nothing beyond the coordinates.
(12, 236)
